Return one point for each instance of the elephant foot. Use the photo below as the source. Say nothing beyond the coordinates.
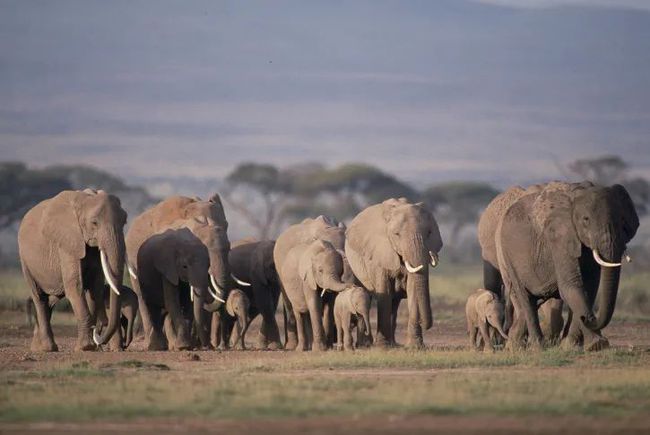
(38, 346)
(415, 343)
(598, 343)
(570, 343)
(291, 344)
(274, 345)
(382, 342)
(85, 347)
(514, 346)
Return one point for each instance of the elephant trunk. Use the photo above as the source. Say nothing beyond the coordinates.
(607, 293)
(129, 331)
(112, 254)
(417, 281)
(221, 278)
(335, 284)
(366, 320)
(199, 315)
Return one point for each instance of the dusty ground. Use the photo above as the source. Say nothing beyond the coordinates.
(444, 388)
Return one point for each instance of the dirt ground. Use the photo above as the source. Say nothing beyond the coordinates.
(448, 334)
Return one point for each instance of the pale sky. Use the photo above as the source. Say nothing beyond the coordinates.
(490, 90)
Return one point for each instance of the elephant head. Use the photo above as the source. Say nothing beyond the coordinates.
(75, 220)
(491, 309)
(601, 219)
(184, 258)
(321, 267)
(238, 306)
(360, 304)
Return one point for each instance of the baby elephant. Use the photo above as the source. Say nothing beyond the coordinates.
(351, 306)
(485, 313)
(234, 315)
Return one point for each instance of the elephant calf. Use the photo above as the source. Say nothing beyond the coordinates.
(235, 315)
(485, 313)
(350, 308)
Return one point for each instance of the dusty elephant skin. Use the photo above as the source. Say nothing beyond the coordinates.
(68, 246)
(310, 260)
(389, 243)
(252, 262)
(558, 240)
(230, 323)
(207, 221)
(484, 313)
(167, 264)
(351, 309)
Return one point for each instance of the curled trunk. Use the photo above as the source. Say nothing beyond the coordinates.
(114, 254)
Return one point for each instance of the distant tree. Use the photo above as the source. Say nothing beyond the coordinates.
(458, 204)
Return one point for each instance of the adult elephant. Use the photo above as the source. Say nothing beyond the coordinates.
(68, 246)
(311, 229)
(206, 220)
(173, 275)
(252, 261)
(564, 240)
(387, 244)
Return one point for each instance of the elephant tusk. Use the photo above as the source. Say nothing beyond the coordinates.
(215, 295)
(322, 293)
(192, 293)
(434, 259)
(214, 284)
(240, 282)
(412, 269)
(132, 273)
(96, 337)
(602, 262)
(107, 274)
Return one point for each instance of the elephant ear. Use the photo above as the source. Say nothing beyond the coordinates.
(165, 260)
(628, 211)
(483, 301)
(258, 265)
(553, 218)
(306, 265)
(61, 222)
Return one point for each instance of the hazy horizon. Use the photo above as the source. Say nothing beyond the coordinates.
(490, 90)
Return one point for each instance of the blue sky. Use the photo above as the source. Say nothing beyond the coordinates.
(492, 90)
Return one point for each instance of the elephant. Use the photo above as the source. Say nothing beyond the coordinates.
(69, 245)
(558, 240)
(351, 308)
(552, 322)
(233, 316)
(484, 312)
(207, 221)
(173, 274)
(252, 261)
(309, 230)
(390, 242)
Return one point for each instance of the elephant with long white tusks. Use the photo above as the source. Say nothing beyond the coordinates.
(70, 245)
(389, 243)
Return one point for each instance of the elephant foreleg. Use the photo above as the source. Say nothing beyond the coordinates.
(291, 327)
(472, 337)
(384, 318)
(347, 333)
(173, 306)
(316, 315)
(300, 329)
(485, 335)
(72, 283)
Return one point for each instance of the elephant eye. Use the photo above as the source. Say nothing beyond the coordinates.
(94, 222)
(585, 219)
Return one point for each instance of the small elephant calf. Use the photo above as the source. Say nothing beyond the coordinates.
(485, 313)
(351, 307)
(234, 315)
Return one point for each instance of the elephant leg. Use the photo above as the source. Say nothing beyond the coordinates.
(396, 300)
(316, 315)
(339, 332)
(385, 336)
(170, 334)
(517, 333)
(215, 330)
(43, 339)
(300, 329)
(290, 324)
(269, 336)
(116, 343)
(328, 324)
(144, 310)
(347, 333)
(155, 340)
(75, 293)
(173, 306)
(485, 335)
(472, 337)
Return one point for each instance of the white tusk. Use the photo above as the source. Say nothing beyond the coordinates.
(240, 282)
(322, 293)
(214, 284)
(602, 262)
(95, 337)
(192, 293)
(131, 272)
(434, 259)
(215, 295)
(412, 269)
(107, 275)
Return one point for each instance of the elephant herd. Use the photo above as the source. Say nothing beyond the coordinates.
(549, 245)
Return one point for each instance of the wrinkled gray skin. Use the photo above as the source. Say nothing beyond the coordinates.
(380, 240)
(231, 322)
(306, 268)
(252, 262)
(207, 221)
(351, 308)
(59, 242)
(551, 322)
(538, 242)
(168, 264)
(484, 313)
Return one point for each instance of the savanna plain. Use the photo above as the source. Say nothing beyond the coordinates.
(445, 388)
